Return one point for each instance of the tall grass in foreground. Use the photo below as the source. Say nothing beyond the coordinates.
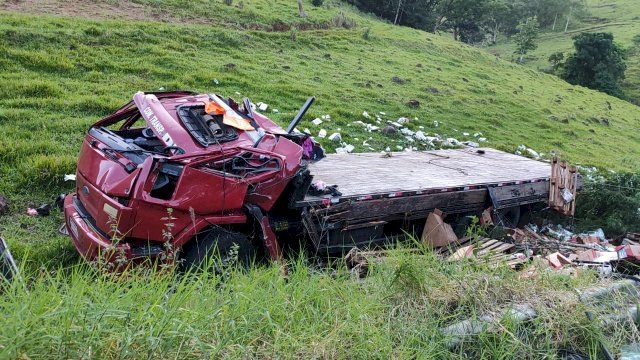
(395, 312)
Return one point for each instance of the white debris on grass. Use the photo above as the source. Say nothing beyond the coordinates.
(482, 139)
(477, 134)
(399, 147)
(407, 132)
(306, 131)
(366, 115)
(215, 81)
(421, 127)
(322, 133)
(372, 128)
(436, 123)
(453, 142)
(409, 139)
(262, 106)
(275, 111)
(420, 136)
(326, 117)
(345, 149)
(472, 144)
(382, 113)
(395, 124)
(403, 120)
(335, 137)
(70, 177)
(534, 154)
(525, 151)
(316, 121)
(465, 134)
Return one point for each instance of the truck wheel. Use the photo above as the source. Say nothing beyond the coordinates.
(508, 217)
(218, 249)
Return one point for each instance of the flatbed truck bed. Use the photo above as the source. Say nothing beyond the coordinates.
(385, 196)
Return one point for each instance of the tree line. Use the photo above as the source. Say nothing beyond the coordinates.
(474, 21)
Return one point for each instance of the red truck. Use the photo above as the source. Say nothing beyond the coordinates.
(200, 174)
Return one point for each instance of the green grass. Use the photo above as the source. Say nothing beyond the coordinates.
(619, 17)
(59, 75)
(396, 312)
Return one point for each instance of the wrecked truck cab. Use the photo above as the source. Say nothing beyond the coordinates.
(190, 153)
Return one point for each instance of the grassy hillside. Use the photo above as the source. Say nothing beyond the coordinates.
(62, 73)
(619, 17)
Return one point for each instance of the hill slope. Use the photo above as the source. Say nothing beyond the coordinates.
(619, 17)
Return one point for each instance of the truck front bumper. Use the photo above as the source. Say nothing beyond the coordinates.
(87, 238)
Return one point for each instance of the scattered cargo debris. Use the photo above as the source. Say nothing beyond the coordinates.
(530, 249)
(437, 233)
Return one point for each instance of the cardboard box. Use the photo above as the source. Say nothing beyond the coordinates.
(437, 233)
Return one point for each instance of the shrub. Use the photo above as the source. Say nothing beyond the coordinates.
(317, 2)
(341, 20)
(367, 33)
(612, 204)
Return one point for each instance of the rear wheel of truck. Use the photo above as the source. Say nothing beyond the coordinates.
(217, 250)
(508, 217)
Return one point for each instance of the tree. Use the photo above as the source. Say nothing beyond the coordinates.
(464, 18)
(598, 63)
(526, 36)
(556, 59)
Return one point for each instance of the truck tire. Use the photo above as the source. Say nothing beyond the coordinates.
(215, 251)
(508, 217)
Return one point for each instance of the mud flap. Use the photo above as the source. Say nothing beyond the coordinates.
(8, 267)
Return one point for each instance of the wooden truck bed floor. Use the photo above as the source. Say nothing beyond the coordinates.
(364, 174)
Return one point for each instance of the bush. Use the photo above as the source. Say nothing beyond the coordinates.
(367, 33)
(612, 204)
(341, 20)
(317, 2)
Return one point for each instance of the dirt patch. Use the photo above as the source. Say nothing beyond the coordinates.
(124, 9)
(81, 8)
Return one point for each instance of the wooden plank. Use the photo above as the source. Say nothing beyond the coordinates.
(487, 244)
(513, 195)
(447, 202)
